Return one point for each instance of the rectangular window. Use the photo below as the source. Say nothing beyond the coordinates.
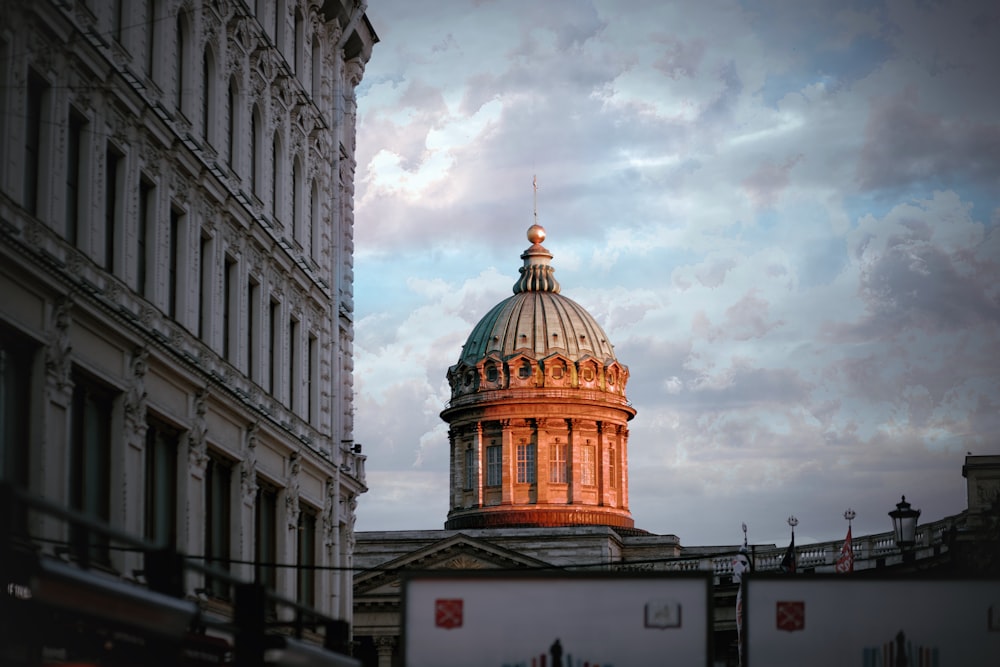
(90, 462)
(276, 184)
(312, 399)
(231, 123)
(74, 157)
(266, 543)
(587, 466)
(218, 521)
(4, 94)
(16, 358)
(273, 349)
(144, 234)
(114, 165)
(557, 463)
(206, 97)
(161, 483)
(38, 91)
(306, 584)
(293, 399)
(470, 469)
(525, 464)
(205, 265)
(253, 288)
(315, 229)
(494, 458)
(174, 252)
(117, 12)
(150, 36)
(229, 301)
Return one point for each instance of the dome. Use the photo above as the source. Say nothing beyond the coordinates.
(538, 417)
(537, 323)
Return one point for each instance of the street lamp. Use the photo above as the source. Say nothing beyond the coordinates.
(904, 524)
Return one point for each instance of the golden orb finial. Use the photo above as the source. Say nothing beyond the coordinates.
(536, 233)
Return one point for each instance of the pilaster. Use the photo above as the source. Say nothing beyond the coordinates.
(509, 463)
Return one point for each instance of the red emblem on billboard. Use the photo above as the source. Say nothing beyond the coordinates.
(791, 616)
(448, 614)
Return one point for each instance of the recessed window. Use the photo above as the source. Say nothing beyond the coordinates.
(218, 491)
(587, 466)
(524, 372)
(557, 463)
(161, 483)
(491, 373)
(306, 584)
(493, 465)
(90, 461)
(266, 539)
(525, 464)
(588, 374)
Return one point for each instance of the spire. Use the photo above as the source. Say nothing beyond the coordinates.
(536, 274)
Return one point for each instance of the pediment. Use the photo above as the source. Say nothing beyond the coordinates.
(457, 552)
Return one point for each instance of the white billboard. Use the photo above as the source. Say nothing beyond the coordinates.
(850, 621)
(511, 619)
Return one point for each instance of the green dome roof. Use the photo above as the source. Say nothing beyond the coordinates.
(537, 321)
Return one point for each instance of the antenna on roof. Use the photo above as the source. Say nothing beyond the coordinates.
(534, 185)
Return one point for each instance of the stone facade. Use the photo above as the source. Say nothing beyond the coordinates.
(176, 243)
(538, 413)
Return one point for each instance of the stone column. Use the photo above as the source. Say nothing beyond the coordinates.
(457, 459)
(288, 545)
(386, 646)
(479, 456)
(574, 471)
(601, 466)
(621, 431)
(50, 477)
(509, 463)
(193, 538)
(330, 580)
(248, 494)
(347, 541)
(130, 469)
(541, 439)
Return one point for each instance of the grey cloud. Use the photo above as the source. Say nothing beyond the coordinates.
(905, 144)
(681, 59)
(766, 183)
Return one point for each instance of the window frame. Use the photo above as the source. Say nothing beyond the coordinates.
(494, 465)
(558, 472)
(526, 463)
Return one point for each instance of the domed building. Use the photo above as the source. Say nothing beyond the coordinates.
(538, 480)
(538, 413)
(538, 437)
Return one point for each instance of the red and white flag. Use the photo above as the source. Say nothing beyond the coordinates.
(448, 613)
(846, 561)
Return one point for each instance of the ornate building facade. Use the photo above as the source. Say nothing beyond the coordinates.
(176, 264)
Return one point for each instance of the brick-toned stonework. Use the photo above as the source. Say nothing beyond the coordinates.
(538, 413)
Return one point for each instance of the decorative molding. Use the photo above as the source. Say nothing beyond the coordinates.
(58, 360)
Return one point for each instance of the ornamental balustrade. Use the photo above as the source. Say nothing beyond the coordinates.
(870, 551)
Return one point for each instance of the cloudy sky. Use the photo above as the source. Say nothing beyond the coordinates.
(784, 214)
